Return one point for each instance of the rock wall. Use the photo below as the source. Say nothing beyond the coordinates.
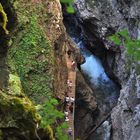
(18, 117)
(98, 19)
(86, 105)
(32, 66)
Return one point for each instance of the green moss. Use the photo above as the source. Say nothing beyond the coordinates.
(49, 132)
(18, 113)
(22, 104)
(15, 85)
(4, 20)
(32, 59)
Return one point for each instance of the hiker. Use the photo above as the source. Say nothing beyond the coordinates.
(70, 131)
(67, 99)
(66, 119)
(73, 65)
(66, 113)
(68, 81)
(72, 99)
(71, 108)
(70, 86)
(67, 107)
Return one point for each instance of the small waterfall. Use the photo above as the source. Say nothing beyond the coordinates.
(92, 67)
(106, 91)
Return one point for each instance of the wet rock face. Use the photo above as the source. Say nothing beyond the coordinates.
(99, 19)
(86, 106)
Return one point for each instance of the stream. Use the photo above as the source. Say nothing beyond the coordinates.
(106, 91)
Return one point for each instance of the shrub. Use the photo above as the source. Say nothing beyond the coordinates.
(133, 45)
(69, 7)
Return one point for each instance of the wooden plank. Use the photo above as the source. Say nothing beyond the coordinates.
(71, 77)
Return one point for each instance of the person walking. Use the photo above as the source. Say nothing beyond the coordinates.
(70, 131)
(67, 99)
(72, 99)
(73, 65)
(66, 113)
(71, 108)
(66, 119)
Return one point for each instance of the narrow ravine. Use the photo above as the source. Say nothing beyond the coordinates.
(106, 91)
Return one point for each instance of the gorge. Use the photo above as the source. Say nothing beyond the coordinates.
(105, 91)
(34, 38)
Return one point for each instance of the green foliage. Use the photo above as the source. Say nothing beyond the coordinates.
(50, 112)
(15, 85)
(115, 39)
(18, 112)
(69, 7)
(31, 55)
(50, 115)
(132, 45)
(60, 131)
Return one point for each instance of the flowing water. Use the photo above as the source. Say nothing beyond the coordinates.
(105, 90)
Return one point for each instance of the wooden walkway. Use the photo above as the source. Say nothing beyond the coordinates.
(71, 93)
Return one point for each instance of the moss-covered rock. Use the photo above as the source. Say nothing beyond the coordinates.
(31, 54)
(18, 116)
(3, 19)
(15, 85)
(35, 32)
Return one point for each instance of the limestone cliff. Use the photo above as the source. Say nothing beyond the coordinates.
(98, 20)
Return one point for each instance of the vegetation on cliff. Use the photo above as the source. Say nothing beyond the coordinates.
(16, 111)
(69, 7)
(122, 38)
(31, 65)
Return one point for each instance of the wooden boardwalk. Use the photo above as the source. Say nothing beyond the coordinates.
(71, 93)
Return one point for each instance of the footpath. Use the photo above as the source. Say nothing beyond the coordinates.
(71, 94)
